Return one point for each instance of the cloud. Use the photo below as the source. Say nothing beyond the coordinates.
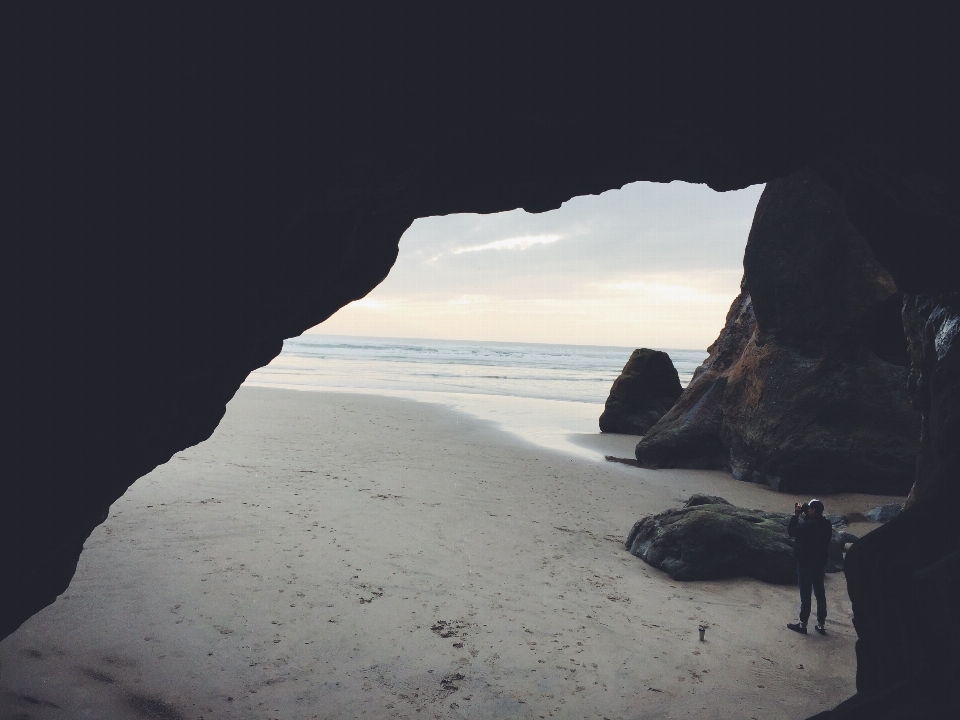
(514, 243)
(651, 264)
(368, 303)
(469, 300)
(696, 288)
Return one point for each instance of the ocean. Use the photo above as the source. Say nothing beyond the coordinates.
(544, 393)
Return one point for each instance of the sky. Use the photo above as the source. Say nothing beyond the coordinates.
(648, 265)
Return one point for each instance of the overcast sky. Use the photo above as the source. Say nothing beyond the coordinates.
(648, 265)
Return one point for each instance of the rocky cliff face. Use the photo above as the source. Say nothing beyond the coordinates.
(904, 578)
(806, 387)
(690, 433)
(933, 324)
(186, 185)
(647, 387)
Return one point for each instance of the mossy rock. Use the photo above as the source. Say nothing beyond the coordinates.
(713, 540)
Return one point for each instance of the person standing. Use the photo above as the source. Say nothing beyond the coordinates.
(812, 536)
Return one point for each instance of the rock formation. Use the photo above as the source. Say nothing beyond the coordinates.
(646, 389)
(187, 185)
(690, 434)
(932, 325)
(904, 577)
(709, 539)
(884, 513)
(805, 390)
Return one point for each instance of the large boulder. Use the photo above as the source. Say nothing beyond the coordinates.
(805, 390)
(689, 434)
(646, 389)
(709, 538)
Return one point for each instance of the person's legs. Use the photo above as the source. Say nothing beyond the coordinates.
(805, 581)
(821, 594)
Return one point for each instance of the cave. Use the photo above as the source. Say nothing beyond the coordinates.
(187, 185)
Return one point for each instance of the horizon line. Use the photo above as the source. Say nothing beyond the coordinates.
(312, 331)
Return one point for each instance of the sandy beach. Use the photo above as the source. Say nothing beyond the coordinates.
(331, 555)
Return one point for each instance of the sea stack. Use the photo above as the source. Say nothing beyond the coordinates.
(806, 388)
(647, 388)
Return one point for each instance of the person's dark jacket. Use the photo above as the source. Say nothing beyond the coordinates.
(812, 540)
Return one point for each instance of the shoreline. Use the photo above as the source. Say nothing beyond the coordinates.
(539, 421)
(339, 555)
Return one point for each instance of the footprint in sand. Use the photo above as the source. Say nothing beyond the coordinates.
(449, 628)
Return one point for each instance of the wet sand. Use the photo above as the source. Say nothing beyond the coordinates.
(355, 556)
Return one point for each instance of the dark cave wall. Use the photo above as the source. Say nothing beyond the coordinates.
(185, 185)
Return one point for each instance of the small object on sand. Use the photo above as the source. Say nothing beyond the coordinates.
(702, 629)
(625, 461)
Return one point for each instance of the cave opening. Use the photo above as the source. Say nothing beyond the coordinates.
(341, 553)
(526, 319)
